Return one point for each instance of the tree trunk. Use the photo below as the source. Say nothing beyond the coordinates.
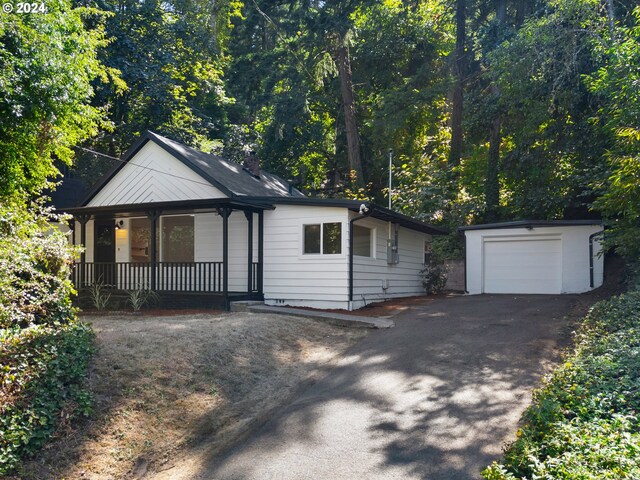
(348, 102)
(492, 182)
(455, 150)
(521, 12)
(501, 11)
(612, 17)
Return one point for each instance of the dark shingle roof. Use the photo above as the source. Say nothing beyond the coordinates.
(230, 175)
(240, 186)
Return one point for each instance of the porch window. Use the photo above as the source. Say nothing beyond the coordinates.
(177, 243)
(140, 238)
(323, 237)
(362, 241)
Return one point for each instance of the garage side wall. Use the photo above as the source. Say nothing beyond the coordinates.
(575, 253)
(567, 244)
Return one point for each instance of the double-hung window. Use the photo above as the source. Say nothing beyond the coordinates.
(322, 238)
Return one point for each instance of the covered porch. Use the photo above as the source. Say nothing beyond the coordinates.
(193, 253)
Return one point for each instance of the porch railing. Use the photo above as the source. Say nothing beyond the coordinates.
(195, 277)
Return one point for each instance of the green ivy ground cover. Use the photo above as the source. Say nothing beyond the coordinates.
(583, 423)
(41, 379)
(44, 351)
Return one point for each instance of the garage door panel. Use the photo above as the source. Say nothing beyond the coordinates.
(522, 266)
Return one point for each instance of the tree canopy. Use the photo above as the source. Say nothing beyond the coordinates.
(49, 64)
(493, 110)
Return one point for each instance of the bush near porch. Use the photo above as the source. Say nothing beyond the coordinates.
(583, 422)
(44, 351)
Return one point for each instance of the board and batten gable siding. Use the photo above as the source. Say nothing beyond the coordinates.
(572, 255)
(154, 175)
(371, 274)
(292, 278)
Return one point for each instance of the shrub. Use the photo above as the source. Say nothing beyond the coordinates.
(139, 297)
(41, 381)
(434, 275)
(35, 262)
(99, 298)
(44, 352)
(583, 422)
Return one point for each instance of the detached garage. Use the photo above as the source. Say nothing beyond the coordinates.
(534, 257)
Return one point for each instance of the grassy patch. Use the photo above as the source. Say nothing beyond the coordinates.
(166, 387)
(583, 424)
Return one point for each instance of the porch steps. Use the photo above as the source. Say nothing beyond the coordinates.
(340, 319)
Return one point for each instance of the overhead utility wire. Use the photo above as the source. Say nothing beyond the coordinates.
(144, 167)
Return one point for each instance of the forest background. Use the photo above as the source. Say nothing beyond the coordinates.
(493, 109)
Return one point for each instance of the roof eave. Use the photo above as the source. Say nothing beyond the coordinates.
(529, 224)
(376, 211)
(185, 205)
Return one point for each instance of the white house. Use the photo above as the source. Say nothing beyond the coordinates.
(204, 231)
(547, 257)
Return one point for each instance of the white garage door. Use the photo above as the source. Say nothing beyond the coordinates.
(516, 265)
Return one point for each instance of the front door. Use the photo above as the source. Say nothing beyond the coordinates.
(104, 254)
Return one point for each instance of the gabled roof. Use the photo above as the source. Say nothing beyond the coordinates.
(242, 188)
(229, 177)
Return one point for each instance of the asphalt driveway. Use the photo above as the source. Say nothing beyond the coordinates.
(434, 398)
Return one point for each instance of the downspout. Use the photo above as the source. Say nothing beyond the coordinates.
(464, 256)
(351, 222)
(591, 238)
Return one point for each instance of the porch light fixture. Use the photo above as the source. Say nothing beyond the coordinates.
(119, 224)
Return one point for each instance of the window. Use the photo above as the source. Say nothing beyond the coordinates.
(362, 241)
(140, 239)
(177, 243)
(325, 238)
(427, 252)
(311, 239)
(331, 238)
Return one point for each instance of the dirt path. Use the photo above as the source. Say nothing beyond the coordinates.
(164, 384)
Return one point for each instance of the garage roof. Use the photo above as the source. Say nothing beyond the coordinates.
(530, 224)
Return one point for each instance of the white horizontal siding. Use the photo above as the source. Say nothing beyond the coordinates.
(291, 278)
(88, 247)
(371, 273)
(154, 175)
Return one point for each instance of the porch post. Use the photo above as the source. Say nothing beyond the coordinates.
(153, 217)
(225, 256)
(260, 251)
(249, 215)
(83, 219)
